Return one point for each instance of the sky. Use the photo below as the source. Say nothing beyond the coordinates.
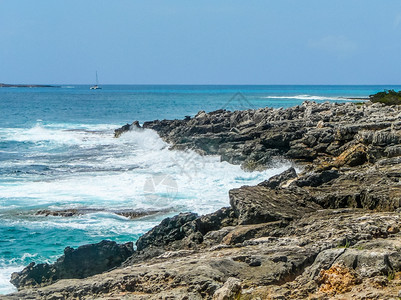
(200, 42)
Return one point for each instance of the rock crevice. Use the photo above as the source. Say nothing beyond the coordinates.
(332, 230)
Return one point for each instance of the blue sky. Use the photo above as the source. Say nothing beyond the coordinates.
(201, 42)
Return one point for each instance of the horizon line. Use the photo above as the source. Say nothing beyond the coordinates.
(210, 84)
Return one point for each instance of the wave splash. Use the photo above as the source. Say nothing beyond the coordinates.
(316, 98)
(66, 166)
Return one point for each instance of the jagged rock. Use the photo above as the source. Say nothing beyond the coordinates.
(170, 230)
(222, 218)
(216, 237)
(331, 231)
(323, 261)
(353, 156)
(372, 187)
(296, 133)
(317, 179)
(231, 290)
(82, 262)
(131, 214)
(283, 264)
(277, 180)
(58, 213)
(259, 204)
(118, 132)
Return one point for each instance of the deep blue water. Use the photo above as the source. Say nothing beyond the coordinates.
(57, 151)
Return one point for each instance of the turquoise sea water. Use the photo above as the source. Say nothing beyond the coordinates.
(57, 151)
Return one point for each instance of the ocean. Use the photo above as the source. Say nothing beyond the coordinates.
(57, 151)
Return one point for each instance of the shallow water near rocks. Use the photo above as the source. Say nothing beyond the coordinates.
(57, 151)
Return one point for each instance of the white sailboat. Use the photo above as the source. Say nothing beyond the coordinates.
(96, 86)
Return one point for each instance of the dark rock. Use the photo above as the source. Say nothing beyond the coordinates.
(290, 237)
(305, 133)
(58, 213)
(276, 180)
(82, 262)
(131, 214)
(255, 262)
(170, 230)
(317, 179)
(215, 221)
(118, 132)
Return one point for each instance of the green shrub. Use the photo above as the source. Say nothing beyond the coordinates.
(388, 97)
(391, 275)
(344, 244)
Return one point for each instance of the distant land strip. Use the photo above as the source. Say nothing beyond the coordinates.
(27, 85)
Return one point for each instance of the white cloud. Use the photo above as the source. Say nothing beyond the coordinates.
(337, 45)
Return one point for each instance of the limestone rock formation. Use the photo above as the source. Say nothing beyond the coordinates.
(332, 231)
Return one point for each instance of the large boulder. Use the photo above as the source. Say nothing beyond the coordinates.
(259, 204)
(86, 260)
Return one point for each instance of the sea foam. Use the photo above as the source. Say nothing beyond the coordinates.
(69, 166)
(315, 98)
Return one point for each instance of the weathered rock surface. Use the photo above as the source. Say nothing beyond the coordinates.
(330, 232)
(82, 262)
(345, 134)
(128, 127)
(71, 212)
(259, 204)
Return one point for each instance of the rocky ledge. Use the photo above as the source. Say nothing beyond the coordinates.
(72, 212)
(330, 232)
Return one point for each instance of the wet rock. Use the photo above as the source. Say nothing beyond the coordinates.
(305, 133)
(82, 262)
(118, 132)
(330, 231)
(131, 214)
(58, 213)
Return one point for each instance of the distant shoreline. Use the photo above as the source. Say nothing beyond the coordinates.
(27, 85)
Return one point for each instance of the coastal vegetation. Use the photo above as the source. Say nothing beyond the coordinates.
(387, 97)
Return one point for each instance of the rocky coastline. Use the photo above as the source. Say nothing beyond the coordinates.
(331, 231)
(6, 85)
